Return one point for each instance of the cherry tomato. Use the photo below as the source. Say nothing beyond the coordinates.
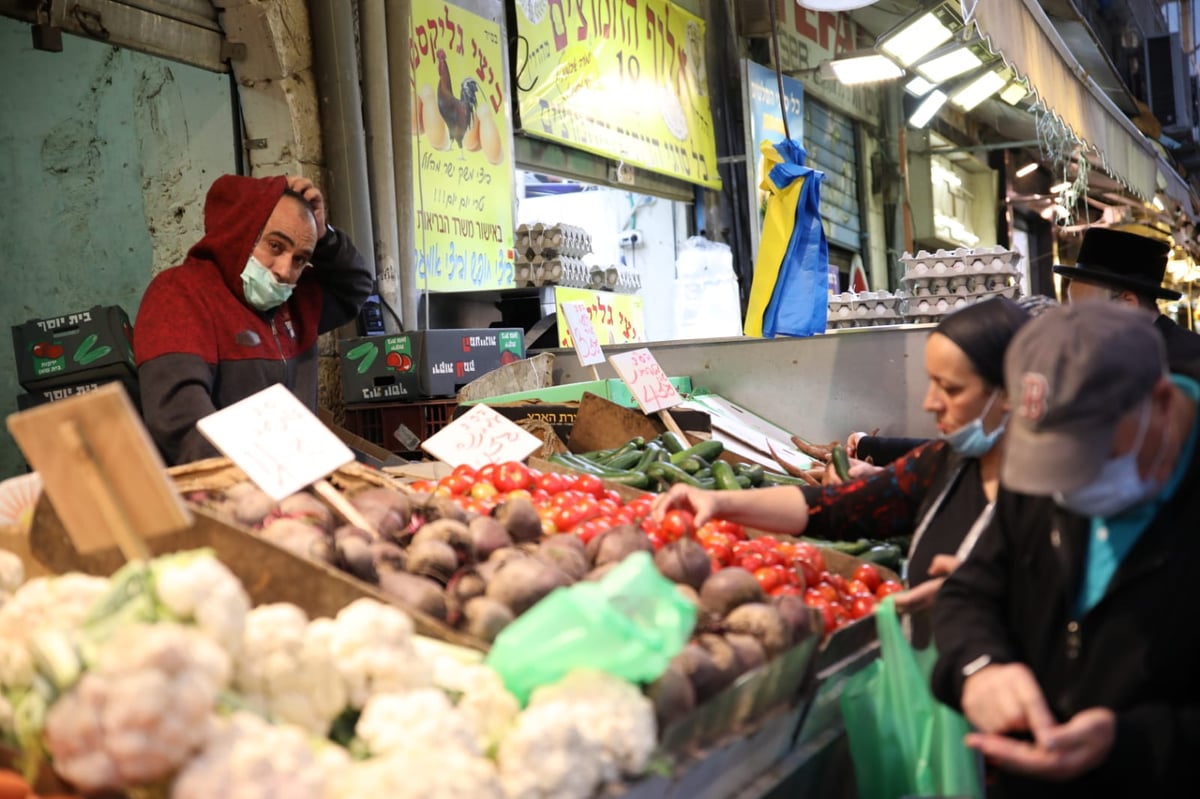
(862, 606)
(423, 486)
(488, 473)
(590, 529)
(548, 526)
(551, 483)
(828, 591)
(483, 490)
(806, 570)
(768, 578)
(888, 587)
(720, 553)
(615, 496)
(463, 470)
(810, 553)
(716, 565)
(868, 575)
(787, 590)
(858, 588)
(815, 597)
(751, 563)
(513, 476)
(656, 540)
(458, 484)
(590, 484)
(677, 524)
(520, 493)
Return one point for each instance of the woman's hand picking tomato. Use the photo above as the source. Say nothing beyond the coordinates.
(677, 524)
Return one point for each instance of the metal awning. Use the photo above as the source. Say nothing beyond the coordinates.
(1028, 41)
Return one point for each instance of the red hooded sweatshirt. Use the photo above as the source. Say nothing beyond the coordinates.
(200, 347)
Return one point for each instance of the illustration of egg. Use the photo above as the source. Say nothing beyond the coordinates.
(470, 141)
(489, 139)
(435, 126)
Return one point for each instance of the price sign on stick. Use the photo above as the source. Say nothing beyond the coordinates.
(282, 447)
(583, 335)
(101, 470)
(479, 437)
(649, 385)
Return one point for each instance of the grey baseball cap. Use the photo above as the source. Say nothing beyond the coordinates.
(1071, 374)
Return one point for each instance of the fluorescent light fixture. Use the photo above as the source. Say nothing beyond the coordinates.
(1028, 169)
(1014, 92)
(979, 89)
(951, 64)
(1057, 187)
(928, 107)
(918, 86)
(1158, 203)
(916, 36)
(855, 69)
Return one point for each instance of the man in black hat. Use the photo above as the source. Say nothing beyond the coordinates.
(1116, 265)
(1064, 637)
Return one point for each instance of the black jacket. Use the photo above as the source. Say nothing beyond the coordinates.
(1135, 652)
(1183, 348)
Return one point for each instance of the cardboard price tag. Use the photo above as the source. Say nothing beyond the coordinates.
(646, 380)
(479, 437)
(276, 441)
(579, 322)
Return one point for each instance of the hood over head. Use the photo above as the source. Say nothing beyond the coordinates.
(235, 212)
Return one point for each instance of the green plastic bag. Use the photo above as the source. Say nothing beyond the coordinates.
(629, 624)
(903, 741)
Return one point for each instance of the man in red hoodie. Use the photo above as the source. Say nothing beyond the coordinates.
(244, 309)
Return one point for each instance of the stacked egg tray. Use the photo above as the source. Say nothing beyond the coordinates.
(942, 282)
(551, 255)
(865, 309)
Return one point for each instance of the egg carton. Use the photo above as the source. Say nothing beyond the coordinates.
(924, 309)
(962, 285)
(865, 309)
(945, 264)
(551, 241)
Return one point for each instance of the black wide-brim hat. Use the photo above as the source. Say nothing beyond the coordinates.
(1123, 261)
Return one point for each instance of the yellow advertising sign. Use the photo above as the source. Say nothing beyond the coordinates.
(462, 146)
(621, 78)
(616, 318)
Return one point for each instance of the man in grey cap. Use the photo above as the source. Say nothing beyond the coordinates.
(1067, 638)
(1125, 267)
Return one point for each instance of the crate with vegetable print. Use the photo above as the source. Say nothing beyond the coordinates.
(449, 359)
(379, 369)
(79, 347)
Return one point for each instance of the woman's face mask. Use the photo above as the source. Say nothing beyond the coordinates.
(969, 440)
(1118, 487)
(261, 288)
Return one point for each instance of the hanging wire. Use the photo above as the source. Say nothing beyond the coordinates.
(778, 69)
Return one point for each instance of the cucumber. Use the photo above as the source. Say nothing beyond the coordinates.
(886, 555)
(777, 479)
(692, 464)
(723, 474)
(708, 450)
(626, 460)
(841, 461)
(672, 474)
(672, 442)
(752, 471)
(633, 479)
(649, 455)
(623, 451)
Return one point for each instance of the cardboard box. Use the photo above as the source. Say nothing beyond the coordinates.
(562, 417)
(379, 368)
(449, 359)
(43, 396)
(81, 347)
(613, 390)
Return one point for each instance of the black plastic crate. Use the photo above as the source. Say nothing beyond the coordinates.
(377, 422)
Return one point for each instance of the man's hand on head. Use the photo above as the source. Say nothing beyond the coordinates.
(308, 190)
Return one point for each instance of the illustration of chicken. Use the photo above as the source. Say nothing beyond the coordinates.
(458, 112)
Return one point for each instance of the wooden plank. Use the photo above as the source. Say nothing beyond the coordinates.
(100, 469)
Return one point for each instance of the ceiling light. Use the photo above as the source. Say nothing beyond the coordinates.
(854, 69)
(1158, 203)
(979, 89)
(928, 107)
(1057, 187)
(1014, 92)
(1028, 169)
(918, 86)
(917, 35)
(950, 64)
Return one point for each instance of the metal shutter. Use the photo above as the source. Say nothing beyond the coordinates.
(829, 138)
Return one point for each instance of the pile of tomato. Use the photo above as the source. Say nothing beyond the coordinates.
(580, 504)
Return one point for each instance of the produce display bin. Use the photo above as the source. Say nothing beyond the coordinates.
(80, 347)
(378, 422)
(378, 369)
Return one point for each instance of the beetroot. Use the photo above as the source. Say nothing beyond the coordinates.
(520, 518)
(387, 511)
(728, 588)
(250, 505)
(354, 553)
(750, 652)
(523, 582)
(798, 615)
(570, 560)
(710, 663)
(438, 507)
(684, 561)
(388, 555)
(764, 622)
(465, 586)
(598, 573)
(487, 536)
(673, 697)
(613, 546)
(300, 538)
(448, 531)
(484, 618)
(308, 507)
(416, 592)
(433, 559)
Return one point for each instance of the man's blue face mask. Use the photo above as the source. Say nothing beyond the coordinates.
(1118, 487)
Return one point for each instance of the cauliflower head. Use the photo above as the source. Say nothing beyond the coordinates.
(483, 701)
(247, 758)
(141, 711)
(372, 645)
(40, 605)
(287, 673)
(419, 772)
(611, 712)
(195, 586)
(393, 722)
(12, 574)
(546, 756)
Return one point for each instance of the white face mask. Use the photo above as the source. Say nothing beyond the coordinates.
(262, 290)
(1118, 487)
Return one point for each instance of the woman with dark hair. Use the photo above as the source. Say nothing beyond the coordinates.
(940, 493)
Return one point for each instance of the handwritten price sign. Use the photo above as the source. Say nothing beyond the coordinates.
(646, 380)
(587, 346)
(479, 437)
(276, 441)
